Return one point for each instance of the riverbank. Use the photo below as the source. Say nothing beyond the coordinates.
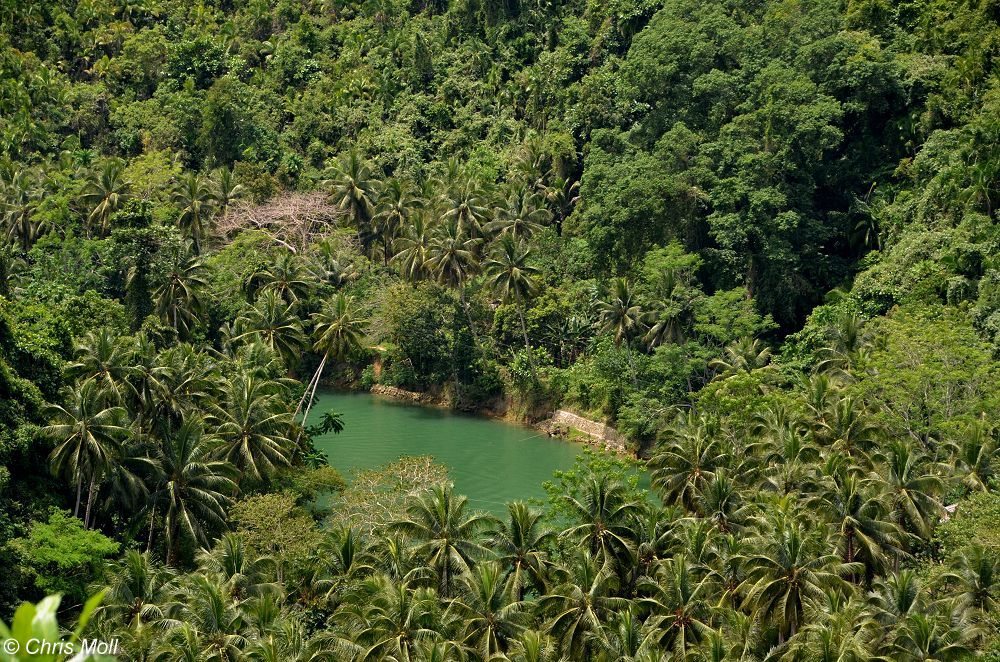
(560, 423)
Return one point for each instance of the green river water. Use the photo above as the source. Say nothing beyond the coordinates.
(491, 462)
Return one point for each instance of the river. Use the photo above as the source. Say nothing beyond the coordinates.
(491, 462)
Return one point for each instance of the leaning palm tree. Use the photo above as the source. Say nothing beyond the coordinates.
(195, 200)
(104, 193)
(338, 331)
(178, 298)
(87, 431)
(252, 424)
(514, 280)
(446, 535)
(194, 488)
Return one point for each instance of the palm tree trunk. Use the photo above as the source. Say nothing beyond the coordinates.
(149, 538)
(527, 345)
(312, 395)
(79, 488)
(468, 316)
(172, 551)
(309, 386)
(90, 499)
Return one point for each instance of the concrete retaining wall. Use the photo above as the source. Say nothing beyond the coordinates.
(563, 421)
(398, 393)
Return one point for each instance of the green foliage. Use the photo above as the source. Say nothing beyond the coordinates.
(61, 556)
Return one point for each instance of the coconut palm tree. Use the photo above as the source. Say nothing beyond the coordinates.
(395, 208)
(974, 581)
(193, 489)
(107, 359)
(522, 216)
(491, 617)
(353, 189)
(104, 193)
(467, 208)
(520, 543)
(686, 461)
(576, 607)
(446, 535)
(337, 332)
(745, 355)
(252, 423)
(620, 314)
(787, 569)
(88, 432)
(859, 514)
(388, 620)
(178, 298)
(415, 247)
(226, 190)
(931, 637)
(840, 630)
(453, 261)
(604, 514)
(287, 275)
(18, 199)
(274, 323)
(670, 311)
(136, 591)
(195, 200)
(973, 456)
(514, 280)
(913, 490)
(675, 598)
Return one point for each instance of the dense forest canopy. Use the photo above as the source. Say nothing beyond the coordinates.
(758, 237)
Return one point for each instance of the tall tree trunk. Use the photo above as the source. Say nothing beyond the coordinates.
(172, 551)
(468, 316)
(527, 345)
(309, 386)
(149, 538)
(312, 396)
(79, 489)
(90, 499)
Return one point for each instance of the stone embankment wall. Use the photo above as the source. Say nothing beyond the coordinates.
(562, 421)
(398, 393)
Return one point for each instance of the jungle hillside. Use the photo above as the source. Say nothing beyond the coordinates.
(759, 238)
